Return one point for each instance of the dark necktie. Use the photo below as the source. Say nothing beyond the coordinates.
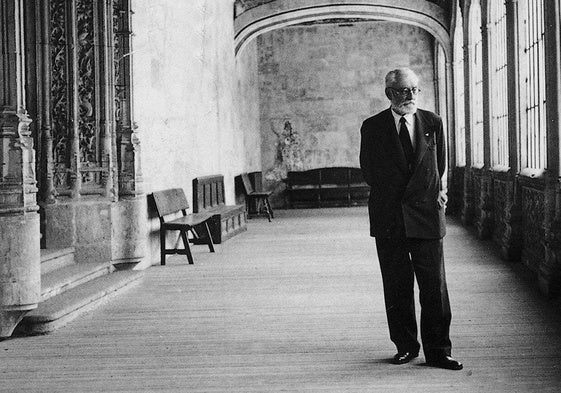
(406, 143)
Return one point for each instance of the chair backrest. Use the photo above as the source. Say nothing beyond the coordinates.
(247, 184)
(170, 201)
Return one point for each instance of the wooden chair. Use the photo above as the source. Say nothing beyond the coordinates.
(259, 199)
(173, 201)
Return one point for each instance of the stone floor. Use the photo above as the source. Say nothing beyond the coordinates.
(294, 305)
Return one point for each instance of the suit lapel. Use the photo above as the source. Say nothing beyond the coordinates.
(422, 138)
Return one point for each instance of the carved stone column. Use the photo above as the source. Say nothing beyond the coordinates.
(20, 280)
(129, 226)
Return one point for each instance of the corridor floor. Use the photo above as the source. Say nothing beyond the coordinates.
(294, 305)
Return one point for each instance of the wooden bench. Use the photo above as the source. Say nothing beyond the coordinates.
(326, 187)
(208, 197)
(257, 202)
(170, 202)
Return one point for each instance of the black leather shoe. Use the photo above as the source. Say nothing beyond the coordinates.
(447, 362)
(404, 357)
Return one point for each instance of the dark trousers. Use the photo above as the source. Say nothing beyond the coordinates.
(401, 260)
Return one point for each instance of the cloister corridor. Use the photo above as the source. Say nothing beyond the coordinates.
(294, 305)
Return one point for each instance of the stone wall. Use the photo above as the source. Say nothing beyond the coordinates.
(319, 82)
(184, 86)
(247, 93)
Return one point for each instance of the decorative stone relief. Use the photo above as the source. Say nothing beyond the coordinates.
(552, 268)
(500, 209)
(86, 85)
(485, 206)
(532, 220)
(60, 111)
(507, 227)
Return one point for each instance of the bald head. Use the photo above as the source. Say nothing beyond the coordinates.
(402, 90)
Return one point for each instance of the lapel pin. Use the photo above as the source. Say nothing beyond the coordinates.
(427, 134)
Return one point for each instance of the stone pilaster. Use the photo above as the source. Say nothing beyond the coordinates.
(20, 279)
(129, 224)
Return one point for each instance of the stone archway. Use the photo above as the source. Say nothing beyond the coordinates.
(282, 13)
(266, 17)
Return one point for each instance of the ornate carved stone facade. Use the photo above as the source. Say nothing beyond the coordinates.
(75, 76)
(95, 146)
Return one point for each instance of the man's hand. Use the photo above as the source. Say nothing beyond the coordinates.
(442, 199)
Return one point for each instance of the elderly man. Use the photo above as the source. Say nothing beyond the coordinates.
(403, 159)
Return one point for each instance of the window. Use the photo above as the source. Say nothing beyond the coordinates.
(533, 138)
(459, 94)
(476, 84)
(498, 84)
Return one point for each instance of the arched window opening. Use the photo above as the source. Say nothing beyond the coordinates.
(476, 84)
(498, 84)
(459, 91)
(533, 138)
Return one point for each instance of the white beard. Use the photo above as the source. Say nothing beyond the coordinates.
(405, 109)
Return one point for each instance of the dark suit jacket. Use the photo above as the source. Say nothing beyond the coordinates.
(403, 203)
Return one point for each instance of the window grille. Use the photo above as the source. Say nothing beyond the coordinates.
(498, 84)
(459, 102)
(476, 83)
(533, 136)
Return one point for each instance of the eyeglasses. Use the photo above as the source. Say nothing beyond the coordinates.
(404, 92)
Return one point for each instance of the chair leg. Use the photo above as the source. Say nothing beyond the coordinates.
(187, 248)
(162, 246)
(263, 203)
(269, 209)
(209, 237)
